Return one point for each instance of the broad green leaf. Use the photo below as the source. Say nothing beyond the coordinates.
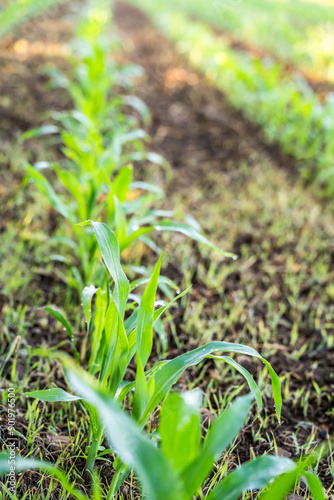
(61, 318)
(281, 487)
(180, 428)
(285, 483)
(315, 486)
(44, 186)
(145, 317)
(122, 182)
(253, 475)
(172, 370)
(22, 464)
(251, 382)
(191, 232)
(134, 236)
(86, 298)
(101, 305)
(39, 131)
(116, 349)
(120, 222)
(220, 435)
(52, 395)
(111, 255)
(158, 479)
(144, 341)
(140, 399)
(139, 106)
(148, 186)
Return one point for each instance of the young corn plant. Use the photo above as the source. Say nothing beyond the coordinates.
(101, 141)
(175, 462)
(121, 330)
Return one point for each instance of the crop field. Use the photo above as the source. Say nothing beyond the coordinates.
(166, 250)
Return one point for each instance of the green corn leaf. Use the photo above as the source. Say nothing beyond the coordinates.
(148, 186)
(140, 399)
(115, 351)
(285, 483)
(59, 317)
(139, 106)
(144, 341)
(121, 184)
(120, 222)
(221, 434)
(86, 298)
(39, 131)
(253, 475)
(44, 186)
(315, 486)
(251, 382)
(281, 487)
(134, 135)
(145, 319)
(101, 305)
(158, 479)
(52, 395)
(191, 232)
(180, 428)
(111, 255)
(127, 240)
(157, 314)
(172, 370)
(22, 464)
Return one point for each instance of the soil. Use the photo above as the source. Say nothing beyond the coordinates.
(194, 129)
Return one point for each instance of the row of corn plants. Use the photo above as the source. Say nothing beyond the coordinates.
(100, 143)
(302, 33)
(286, 108)
(170, 462)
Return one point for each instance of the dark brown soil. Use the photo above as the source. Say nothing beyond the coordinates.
(197, 132)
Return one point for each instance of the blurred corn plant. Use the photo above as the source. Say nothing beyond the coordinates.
(120, 329)
(175, 462)
(101, 140)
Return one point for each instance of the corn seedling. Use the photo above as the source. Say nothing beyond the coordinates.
(179, 463)
(115, 339)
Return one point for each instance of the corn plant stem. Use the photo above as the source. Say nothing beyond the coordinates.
(93, 450)
(114, 483)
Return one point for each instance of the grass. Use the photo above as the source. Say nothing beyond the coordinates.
(267, 295)
(300, 35)
(285, 107)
